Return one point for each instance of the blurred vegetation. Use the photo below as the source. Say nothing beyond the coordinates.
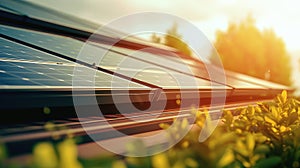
(244, 48)
(262, 136)
(172, 39)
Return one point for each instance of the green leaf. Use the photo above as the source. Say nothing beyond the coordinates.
(3, 152)
(292, 118)
(250, 142)
(284, 96)
(226, 138)
(44, 154)
(226, 159)
(160, 160)
(191, 162)
(275, 112)
(269, 120)
(260, 138)
(262, 149)
(272, 161)
(241, 148)
(118, 164)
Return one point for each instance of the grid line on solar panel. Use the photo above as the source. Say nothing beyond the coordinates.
(71, 47)
(62, 45)
(178, 64)
(151, 72)
(65, 46)
(39, 71)
(112, 60)
(233, 80)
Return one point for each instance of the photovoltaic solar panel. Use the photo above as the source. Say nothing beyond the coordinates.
(45, 14)
(63, 45)
(152, 73)
(35, 11)
(188, 67)
(235, 80)
(24, 66)
(262, 82)
(110, 60)
(71, 48)
(45, 63)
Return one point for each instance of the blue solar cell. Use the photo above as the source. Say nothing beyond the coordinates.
(175, 62)
(112, 60)
(18, 82)
(4, 75)
(33, 67)
(118, 63)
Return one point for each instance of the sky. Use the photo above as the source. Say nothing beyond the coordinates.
(207, 15)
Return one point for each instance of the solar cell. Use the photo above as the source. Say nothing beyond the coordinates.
(262, 82)
(235, 80)
(71, 48)
(172, 61)
(59, 44)
(21, 65)
(111, 61)
(115, 62)
(152, 73)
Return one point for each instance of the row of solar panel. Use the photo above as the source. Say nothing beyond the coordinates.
(21, 65)
(116, 61)
(32, 10)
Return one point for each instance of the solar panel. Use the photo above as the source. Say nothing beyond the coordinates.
(144, 70)
(258, 81)
(21, 65)
(35, 11)
(71, 47)
(39, 70)
(235, 80)
(45, 14)
(110, 60)
(189, 67)
(63, 45)
(162, 66)
(152, 73)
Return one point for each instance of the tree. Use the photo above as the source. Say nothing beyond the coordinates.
(173, 39)
(155, 38)
(244, 48)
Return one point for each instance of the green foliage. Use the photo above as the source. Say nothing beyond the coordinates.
(244, 48)
(62, 155)
(3, 154)
(275, 128)
(263, 135)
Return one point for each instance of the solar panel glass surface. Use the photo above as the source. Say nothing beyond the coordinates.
(141, 69)
(21, 65)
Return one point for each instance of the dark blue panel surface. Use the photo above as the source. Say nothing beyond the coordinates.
(140, 69)
(21, 65)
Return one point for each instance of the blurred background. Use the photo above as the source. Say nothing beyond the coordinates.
(258, 38)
